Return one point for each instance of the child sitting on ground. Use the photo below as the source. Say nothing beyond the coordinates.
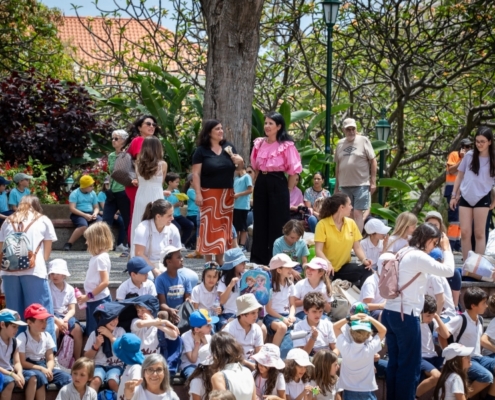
(10, 363)
(84, 210)
(292, 242)
(147, 324)
(370, 295)
(298, 376)
(267, 376)
(325, 375)
(108, 367)
(205, 294)
(64, 304)
(172, 287)
(194, 339)
(128, 349)
(22, 184)
(357, 377)
(199, 382)
(431, 363)
(453, 381)
(320, 331)
(4, 200)
(82, 372)
(245, 329)
(375, 240)
(138, 283)
(36, 351)
(405, 225)
(467, 329)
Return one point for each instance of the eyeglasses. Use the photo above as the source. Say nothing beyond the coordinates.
(150, 124)
(115, 139)
(151, 371)
(249, 172)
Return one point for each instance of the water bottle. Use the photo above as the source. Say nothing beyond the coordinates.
(298, 335)
(216, 304)
(78, 294)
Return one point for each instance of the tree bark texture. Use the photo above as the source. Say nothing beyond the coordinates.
(233, 28)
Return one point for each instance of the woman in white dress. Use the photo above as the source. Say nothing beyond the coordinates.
(151, 171)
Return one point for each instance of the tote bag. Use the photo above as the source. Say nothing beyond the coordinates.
(123, 170)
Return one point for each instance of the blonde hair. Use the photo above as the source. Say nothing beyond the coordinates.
(402, 223)
(359, 336)
(27, 204)
(84, 363)
(99, 238)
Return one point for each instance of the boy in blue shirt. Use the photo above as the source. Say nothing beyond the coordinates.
(83, 205)
(172, 287)
(243, 187)
(4, 205)
(184, 226)
(22, 182)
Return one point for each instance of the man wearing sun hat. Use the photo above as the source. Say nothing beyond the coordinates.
(245, 329)
(355, 169)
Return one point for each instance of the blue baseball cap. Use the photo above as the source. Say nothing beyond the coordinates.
(201, 317)
(436, 254)
(232, 258)
(4, 181)
(11, 316)
(128, 349)
(138, 265)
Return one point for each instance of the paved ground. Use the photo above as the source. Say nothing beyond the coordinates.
(78, 264)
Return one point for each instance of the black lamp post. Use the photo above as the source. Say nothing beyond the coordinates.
(382, 132)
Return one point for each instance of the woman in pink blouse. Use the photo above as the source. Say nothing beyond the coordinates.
(272, 158)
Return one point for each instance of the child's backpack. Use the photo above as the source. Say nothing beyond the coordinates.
(260, 287)
(388, 281)
(451, 340)
(107, 394)
(17, 251)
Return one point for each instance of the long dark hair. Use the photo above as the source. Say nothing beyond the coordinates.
(228, 276)
(282, 135)
(453, 366)
(332, 204)
(204, 135)
(322, 361)
(134, 128)
(422, 234)
(225, 350)
(486, 132)
(271, 380)
(149, 157)
(203, 372)
(154, 208)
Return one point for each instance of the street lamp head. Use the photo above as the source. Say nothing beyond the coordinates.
(330, 11)
(69, 182)
(382, 127)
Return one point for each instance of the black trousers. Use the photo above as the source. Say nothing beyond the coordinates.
(354, 273)
(121, 203)
(271, 211)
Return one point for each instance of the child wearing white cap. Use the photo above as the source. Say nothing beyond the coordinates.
(453, 380)
(297, 375)
(375, 240)
(64, 304)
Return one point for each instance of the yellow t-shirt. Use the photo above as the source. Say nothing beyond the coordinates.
(337, 244)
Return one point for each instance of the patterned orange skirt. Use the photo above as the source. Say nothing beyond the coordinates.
(215, 229)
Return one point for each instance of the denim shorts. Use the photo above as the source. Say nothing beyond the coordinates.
(351, 395)
(79, 221)
(108, 372)
(60, 378)
(268, 322)
(480, 369)
(429, 364)
(359, 195)
(71, 323)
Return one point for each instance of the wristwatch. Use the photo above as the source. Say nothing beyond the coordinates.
(348, 318)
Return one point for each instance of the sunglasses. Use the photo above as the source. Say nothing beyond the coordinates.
(115, 139)
(150, 124)
(211, 265)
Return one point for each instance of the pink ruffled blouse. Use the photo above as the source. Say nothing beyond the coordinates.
(275, 157)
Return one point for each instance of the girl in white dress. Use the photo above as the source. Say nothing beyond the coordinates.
(150, 171)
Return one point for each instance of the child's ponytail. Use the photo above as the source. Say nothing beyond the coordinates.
(326, 280)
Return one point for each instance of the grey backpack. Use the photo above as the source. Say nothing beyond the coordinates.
(17, 249)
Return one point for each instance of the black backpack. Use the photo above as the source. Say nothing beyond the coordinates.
(451, 340)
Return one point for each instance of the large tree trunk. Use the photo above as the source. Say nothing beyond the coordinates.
(233, 43)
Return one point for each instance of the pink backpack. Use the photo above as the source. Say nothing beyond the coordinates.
(388, 281)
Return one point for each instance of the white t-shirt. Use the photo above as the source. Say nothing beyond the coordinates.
(143, 394)
(453, 385)
(32, 349)
(126, 287)
(280, 300)
(475, 187)
(357, 372)
(130, 372)
(325, 337)
(490, 332)
(471, 336)
(6, 352)
(303, 287)
(41, 230)
(196, 387)
(98, 263)
(330, 395)
(62, 298)
(69, 392)
(427, 344)
(371, 251)
(148, 336)
(240, 381)
(203, 297)
(436, 285)
(159, 240)
(294, 389)
(230, 306)
(188, 346)
(100, 357)
(396, 243)
(261, 385)
(249, 341)
(369, 290)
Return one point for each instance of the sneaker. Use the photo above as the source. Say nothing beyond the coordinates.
(67, 246)
(122, 248)
(125, 254)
